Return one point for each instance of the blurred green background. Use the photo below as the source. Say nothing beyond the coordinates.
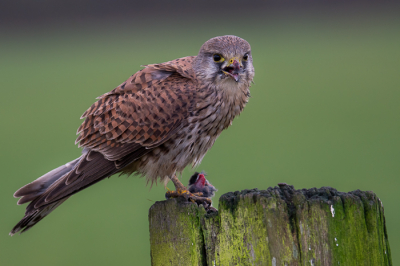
(324, 111)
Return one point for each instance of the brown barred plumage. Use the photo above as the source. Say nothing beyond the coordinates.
(154, 124)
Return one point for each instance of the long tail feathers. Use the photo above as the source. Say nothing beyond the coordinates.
(50, 190)
(37, 187)
(32, 218)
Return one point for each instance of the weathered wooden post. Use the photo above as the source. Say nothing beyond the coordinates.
(277, 226)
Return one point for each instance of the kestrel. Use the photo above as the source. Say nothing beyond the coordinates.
(163, 118)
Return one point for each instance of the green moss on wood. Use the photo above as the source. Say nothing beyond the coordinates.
(277, 226)
(175, 234)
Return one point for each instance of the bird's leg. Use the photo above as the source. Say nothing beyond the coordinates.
(180, 188)
(182, 191)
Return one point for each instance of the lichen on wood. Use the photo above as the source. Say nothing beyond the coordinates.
(175, 234)
(277, 226)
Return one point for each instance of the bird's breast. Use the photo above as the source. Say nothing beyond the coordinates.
(210, 114)
(215, 111)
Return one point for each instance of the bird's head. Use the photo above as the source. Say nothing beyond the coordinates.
(199, 183)
(225, 60)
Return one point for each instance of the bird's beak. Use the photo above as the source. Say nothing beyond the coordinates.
(233, 68)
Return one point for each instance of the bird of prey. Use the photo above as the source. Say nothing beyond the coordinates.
(161, 119)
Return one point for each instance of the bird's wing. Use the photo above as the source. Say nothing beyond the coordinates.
(181, 65)
(144, 111)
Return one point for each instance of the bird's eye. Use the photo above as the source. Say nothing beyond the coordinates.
(218, 58)
(245, 57)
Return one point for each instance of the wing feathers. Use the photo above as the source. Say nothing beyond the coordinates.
(146, 110)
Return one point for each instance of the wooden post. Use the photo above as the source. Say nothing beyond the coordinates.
(277, 226)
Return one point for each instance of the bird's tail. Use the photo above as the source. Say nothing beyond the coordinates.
(32, 218)
(36, 188)
(40, 185)
(47, 192)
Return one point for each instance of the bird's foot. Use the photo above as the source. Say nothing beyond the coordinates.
(182, 191)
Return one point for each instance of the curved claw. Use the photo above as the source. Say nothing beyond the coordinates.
(181, 191)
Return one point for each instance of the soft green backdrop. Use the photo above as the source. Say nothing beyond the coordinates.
(324, 111)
